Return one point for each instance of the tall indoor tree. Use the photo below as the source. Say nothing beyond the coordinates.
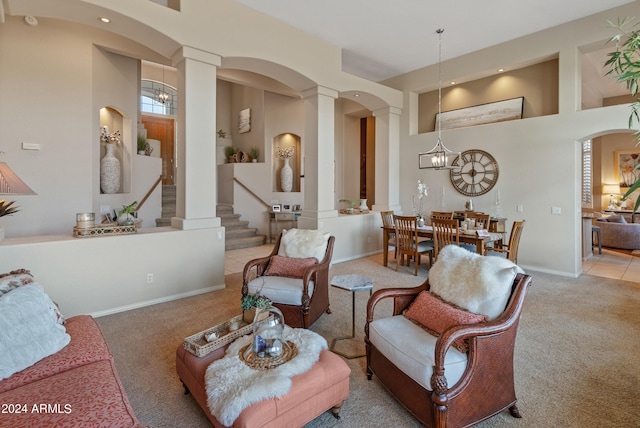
(624, 65)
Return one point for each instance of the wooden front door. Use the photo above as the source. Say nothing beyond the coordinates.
(163, 129)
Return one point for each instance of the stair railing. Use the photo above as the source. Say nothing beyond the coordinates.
(153, 187)
(251, 192)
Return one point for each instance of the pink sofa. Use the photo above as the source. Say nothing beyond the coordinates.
(76, 387)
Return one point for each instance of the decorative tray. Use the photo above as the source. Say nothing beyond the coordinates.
(103, 230)
(197, 344)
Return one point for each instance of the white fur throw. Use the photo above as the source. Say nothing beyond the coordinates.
(302, 243)
(479, 284)
(232, 386)
(29, 330)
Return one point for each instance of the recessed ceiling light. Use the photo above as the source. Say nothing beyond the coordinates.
(105, 20)
(452, 83)
(500, 70)
(356, 95)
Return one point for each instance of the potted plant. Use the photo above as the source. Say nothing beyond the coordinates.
(142, 144)
(251, 302)
(254, 153)
(125, 216)
(624, 65)
(229, 152)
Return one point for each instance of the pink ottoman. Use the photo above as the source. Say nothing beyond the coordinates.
(325, 386)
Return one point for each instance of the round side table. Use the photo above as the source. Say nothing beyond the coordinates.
(351, 283)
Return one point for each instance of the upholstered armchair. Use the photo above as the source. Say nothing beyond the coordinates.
(446, 353)
(295, 276)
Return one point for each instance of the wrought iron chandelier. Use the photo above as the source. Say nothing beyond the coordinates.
(439, 157)
(161, 94)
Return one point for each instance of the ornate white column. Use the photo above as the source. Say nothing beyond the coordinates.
(388, 159)
(319, 152)
(196, 186)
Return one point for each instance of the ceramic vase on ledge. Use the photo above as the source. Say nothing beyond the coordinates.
(109, 172)
(286, 176)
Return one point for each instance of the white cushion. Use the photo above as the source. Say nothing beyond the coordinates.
(29, 330)
(412, 350)
(280, 289)
(476, 283)
(302, 243)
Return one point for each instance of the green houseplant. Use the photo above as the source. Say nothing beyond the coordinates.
(229, 151)
(125, 216)
(142, 144)
(624, 65)
(254, 153)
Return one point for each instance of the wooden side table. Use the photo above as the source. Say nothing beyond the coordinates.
(351, 283)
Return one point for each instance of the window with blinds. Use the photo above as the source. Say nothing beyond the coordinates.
(587, 172)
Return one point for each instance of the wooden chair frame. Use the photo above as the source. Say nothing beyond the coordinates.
(487, 385)
(311, 307)
(445, 232)
(389, 221)
(511, 249)
(408, 242)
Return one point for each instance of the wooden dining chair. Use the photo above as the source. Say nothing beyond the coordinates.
(388, 221)
(408, 242)
(509, 250)
(483, 218)
(442, 215)
(445, 232)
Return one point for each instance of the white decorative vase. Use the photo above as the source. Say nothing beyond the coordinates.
(363, 205)
(286, 176)
(109, 172)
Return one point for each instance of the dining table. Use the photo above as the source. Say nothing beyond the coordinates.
(469, 237)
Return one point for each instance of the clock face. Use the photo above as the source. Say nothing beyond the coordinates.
(477, 175)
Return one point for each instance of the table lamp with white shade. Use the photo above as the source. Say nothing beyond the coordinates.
(10, 184)
(611, 189)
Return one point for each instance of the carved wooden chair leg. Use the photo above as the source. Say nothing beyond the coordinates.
(186, 390)
(335, 410)
(328, 310)
(369, 373)
(514, 411)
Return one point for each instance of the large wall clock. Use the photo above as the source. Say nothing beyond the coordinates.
(478, 172)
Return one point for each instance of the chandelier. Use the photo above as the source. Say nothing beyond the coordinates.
(161, 94)
(439, 157)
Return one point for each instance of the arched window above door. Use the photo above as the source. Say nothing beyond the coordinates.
(158, 98)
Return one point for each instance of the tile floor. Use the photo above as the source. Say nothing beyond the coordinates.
(234, 260)
(610, 264)
(613, 264)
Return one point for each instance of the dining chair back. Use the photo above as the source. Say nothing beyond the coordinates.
(442, 215)
(408, 243)
(510, 250)
(388, 221)
(483, 218)
(445, 232)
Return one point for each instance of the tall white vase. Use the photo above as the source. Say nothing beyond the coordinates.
(109, 172)
(286, 176)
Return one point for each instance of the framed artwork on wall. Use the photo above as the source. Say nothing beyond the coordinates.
(286, 207)
(624, 164)
(499, 111)
(275, 208)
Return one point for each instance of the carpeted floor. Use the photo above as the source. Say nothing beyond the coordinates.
(576, 363)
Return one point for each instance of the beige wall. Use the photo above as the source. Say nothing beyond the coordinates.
(538, 84)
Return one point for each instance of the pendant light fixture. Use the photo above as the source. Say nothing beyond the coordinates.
(161, 93)
(439, 157)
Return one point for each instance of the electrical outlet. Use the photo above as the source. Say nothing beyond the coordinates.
(149, 278)
(556, 210)
(520, 208)
(219, 235)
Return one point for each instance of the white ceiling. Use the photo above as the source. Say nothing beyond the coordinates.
(382, 39)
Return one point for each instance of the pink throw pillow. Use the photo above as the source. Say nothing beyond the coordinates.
(435, 316)
(289, 266)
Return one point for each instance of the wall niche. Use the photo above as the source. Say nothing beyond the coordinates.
(284, 145)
